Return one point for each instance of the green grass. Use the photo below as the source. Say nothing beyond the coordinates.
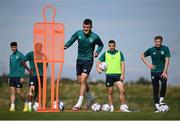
(88, 116)
(137, 96)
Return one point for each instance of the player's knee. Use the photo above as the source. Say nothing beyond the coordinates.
(110, 91)
(83, 81)
(122, 91)
(18, 92)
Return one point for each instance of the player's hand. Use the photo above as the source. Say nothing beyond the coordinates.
(65, 47)
(31, 72)
(21, 80)
(96, 54)
(98, 70)
(150, 66)
(122, 78)
(164, 75)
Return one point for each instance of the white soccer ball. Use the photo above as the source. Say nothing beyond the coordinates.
(103, 66)
(96, 107)
(106, 108)
(60, 105)
(163, 108)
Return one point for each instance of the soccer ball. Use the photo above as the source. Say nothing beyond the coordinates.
(106, 108)
(103, 66)
(96, 107)
(60, 105)
(163, 108)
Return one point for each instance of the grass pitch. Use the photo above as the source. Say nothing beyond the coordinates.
(88, 116)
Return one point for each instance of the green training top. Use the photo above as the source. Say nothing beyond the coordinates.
(16, 68)
(86, 44)
(102, 58)
(158, 56)
(30, 57)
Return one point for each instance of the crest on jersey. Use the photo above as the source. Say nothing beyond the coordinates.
(17, 57)
(162, 52)
(90, 39)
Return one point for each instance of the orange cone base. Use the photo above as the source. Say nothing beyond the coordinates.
(48, 110)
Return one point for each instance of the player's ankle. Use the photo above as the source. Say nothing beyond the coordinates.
(157, 106)
(12, 105)
(111, 108)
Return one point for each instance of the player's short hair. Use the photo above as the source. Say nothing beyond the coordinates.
(13, 44)
(87, 22)
(112, 42)
(158, 37)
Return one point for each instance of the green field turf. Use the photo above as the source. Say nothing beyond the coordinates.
(88, 116)
(138, 97)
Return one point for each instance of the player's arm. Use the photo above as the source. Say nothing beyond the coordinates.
(167, 61)
(164, 74)
(122, 70)
(23, 63)
(143, 58)
(100, 46)
(122, 62)
(71, 41)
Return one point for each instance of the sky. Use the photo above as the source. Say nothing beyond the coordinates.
(133, 24)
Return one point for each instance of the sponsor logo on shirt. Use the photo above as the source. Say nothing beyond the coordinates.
(79, 37)
(154, 53)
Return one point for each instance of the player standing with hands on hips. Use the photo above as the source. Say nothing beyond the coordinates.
(160, 56)
(87, 40)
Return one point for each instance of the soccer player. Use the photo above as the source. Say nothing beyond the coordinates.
(114, 74)
(160, 56)
(16, 76)
(87, 40)
(33, 79)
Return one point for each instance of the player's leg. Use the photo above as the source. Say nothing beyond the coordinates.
(20, 93)
(110, 98)
(163, 90)
(30, 97)
(83, 69)
(88, 95)
(12, 93)
(121, 89)
(84, 77)
(155, 84)
(36, 92)
(109, 85)
(32, 80)
(88, 66)
(13, 96)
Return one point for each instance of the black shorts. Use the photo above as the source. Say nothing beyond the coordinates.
(111, 79)
(15, 82)
(156, 77)
(83, 67)
(33, 81)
